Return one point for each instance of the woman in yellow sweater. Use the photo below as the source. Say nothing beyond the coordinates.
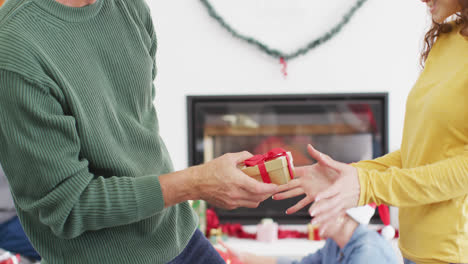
(427, 178)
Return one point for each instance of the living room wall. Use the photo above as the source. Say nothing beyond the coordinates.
(377, 51)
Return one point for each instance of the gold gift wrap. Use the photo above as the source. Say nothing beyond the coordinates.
(277, 170)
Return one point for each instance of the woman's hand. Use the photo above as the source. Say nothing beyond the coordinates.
(310, 180)
(333, 183)
(343, 194)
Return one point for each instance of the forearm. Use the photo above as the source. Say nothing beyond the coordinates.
(83, 203)
(427, 184)
(383, 163)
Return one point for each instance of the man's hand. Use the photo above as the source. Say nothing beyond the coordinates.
(221, 183)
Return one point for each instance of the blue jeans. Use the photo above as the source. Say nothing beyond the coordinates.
(198, 251)
(365, 246)
(13, 239)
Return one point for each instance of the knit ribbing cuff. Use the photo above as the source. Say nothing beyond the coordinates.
(149, 196)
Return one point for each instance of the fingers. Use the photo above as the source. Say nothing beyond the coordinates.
(248, 204)
(301, 171)
(255, 187)
(329, 192)
(290, 185)
(289, 194)
(326, 210)
(241, 156)
(301, 204)
(320, 157)
(255, 197)
(325, 159)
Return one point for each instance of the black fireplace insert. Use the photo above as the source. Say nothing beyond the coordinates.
(348, 127)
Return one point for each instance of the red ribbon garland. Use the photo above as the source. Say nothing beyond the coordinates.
(284, 70)
(237, 230)
(259, 160)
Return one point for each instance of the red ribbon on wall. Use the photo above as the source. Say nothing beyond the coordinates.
(284, 70)
(260, 159)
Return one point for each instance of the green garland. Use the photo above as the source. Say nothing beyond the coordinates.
(279, 54)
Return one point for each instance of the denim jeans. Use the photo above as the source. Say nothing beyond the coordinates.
(198, 251)
(13, 239)
(364, 247)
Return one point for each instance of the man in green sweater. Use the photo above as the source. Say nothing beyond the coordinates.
(90, 176)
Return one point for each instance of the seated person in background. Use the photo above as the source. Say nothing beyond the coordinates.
(349, 242)
(12, 236)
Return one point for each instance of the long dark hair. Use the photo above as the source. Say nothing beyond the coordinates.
(438, 29)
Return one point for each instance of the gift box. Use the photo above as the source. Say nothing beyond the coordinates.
(313, 231)
(274, 167)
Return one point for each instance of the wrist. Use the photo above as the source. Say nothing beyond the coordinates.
(193, 182)
(361, 177)
(347, 231)
(178, 187)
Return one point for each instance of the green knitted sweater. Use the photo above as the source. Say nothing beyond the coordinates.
(79, 138)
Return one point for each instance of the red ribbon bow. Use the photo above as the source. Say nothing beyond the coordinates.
(260, 160)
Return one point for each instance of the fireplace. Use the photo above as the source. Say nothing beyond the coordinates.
(348, 127)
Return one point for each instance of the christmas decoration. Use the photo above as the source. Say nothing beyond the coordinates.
(363, 214)
(284, 57)
(226, 254)
(8, 258)
(314, 233)
(267, 230)
(236, 229)
(199, 206)
(388, 232)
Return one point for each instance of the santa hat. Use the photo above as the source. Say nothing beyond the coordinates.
(363, 214)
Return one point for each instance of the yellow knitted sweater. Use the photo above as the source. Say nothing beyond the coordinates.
(428, 177)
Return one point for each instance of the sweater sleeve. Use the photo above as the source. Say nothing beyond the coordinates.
(383, 163)
(50, 179)
(436, 182)
(154, 41)
(142, 13)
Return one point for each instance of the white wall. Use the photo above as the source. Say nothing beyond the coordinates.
(377, 52)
